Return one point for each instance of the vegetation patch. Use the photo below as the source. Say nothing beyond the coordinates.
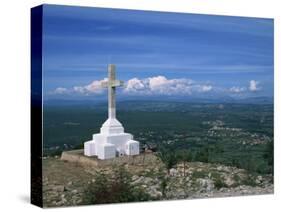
(114, 187)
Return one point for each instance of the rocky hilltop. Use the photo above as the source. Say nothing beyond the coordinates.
(65, 183)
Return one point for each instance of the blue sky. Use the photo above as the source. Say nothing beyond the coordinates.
(155, 53)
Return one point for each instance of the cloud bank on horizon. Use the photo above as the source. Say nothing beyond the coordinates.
(157, 85)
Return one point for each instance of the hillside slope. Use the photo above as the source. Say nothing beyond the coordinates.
(64, 183)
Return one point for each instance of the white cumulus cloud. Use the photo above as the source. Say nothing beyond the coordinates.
(254, 85)
(134, 85)
(94, 87)
(60, 90)
(160, 85)
(236, 89)
(206, 88)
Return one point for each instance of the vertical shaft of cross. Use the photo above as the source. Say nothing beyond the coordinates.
(111, 92)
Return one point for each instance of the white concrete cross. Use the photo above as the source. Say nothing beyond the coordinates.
(111, 84)
(112, 141)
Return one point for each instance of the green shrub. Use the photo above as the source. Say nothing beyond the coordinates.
(250, 181)
(219, 183)
(113, 187)
(199, 174)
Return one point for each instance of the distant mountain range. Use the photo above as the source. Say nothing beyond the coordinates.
(224, 100)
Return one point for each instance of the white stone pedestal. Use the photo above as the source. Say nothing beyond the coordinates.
(112, 141)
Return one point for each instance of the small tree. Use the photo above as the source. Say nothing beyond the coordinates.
(168, 157)
(184, 156)
(163, 182)
(202, 155)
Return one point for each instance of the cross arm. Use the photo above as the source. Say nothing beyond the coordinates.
(113, 83)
